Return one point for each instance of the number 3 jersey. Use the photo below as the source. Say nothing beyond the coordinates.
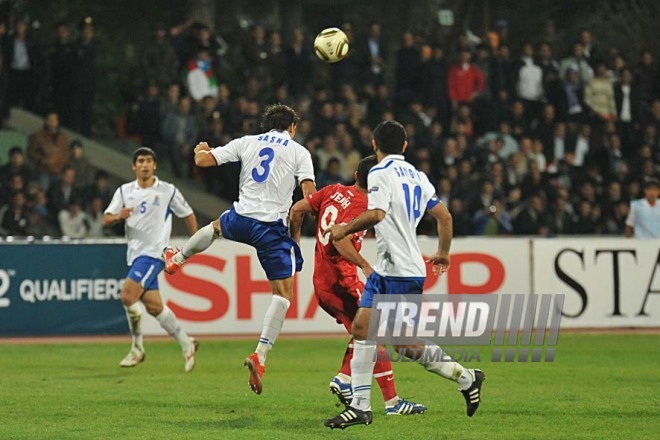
(149, 226)
(270, 164)
(335, 204)
(404, 193)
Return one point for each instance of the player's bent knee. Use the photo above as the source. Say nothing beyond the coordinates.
(154, 309)
(130, 293)
(216, 228)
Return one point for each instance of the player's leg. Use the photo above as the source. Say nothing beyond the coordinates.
(199, 242)
(155, 307)
(165, 317)
(130, 296)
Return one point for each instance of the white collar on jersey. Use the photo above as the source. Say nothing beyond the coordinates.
(394, 157)
(283, 133)
(155, 185)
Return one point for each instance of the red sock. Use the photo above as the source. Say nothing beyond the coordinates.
(348, 355)
(384, 376)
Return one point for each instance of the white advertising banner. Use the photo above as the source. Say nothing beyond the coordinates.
(607, 282)
(224, 291)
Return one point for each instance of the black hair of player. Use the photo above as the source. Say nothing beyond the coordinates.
(363, 169)
(390, 137)
(144, 151)
(278, 117)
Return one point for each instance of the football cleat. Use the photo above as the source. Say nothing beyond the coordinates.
(473, 394)
(405, 407)
(170, 266)
(342, 390)
(189, 355)
(349, 417)
(134, 357)
(256, 372)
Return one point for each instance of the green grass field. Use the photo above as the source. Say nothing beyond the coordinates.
(600, 386)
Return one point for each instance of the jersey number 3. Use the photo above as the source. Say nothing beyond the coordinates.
(269, 155)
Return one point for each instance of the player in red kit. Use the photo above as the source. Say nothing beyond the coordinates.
(336, 283)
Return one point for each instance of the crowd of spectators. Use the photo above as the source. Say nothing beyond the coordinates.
(520, 137)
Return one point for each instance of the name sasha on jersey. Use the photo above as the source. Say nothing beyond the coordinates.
(273, 140)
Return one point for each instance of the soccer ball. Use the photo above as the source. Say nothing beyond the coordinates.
(331, 45)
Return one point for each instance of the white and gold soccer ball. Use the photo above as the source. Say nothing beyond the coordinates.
(331, 45)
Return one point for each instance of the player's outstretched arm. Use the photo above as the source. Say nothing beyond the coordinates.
(440, 259)
(367, 220)
(347, 250)
(203, 156)
(296, 216)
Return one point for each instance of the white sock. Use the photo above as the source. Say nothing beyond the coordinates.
(171, 326)
(134, 315)
(199, 242)
(435, 361)
(362, 369)
(272, 326)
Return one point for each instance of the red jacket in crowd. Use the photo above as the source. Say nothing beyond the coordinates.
(464, 82)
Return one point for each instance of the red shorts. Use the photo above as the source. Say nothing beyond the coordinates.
(339, 302)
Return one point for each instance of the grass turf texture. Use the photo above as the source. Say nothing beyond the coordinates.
(600, 386)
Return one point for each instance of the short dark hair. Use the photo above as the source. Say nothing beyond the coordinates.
(390, 137)
(15, 150)
(278, 117)
(363, 169)
(144, 151)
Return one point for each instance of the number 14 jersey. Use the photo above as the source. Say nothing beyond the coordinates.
(270, 164)
(404, 193)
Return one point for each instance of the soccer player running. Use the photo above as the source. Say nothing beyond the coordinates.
(145, 205)
(336, 283)
(270, 164)
(398, 193)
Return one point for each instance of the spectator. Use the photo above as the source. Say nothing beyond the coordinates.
(584, 221)
(84, 79)
(628, 109)
(407, 69)
(502, 72)
(256, 53)
(331, 174)
(15, 218)
(73, 220)
(551, 79)
(277, 61)
(599, 95)
(179, 132)
(23, 59)
(465, 81)
(62, 63)
(646, 75)
(579, 64)
(373, 52)
(560, 217)
(79, 163)
(460, 219)
(644, 218)
(95, 218)
(48, 151)
(15, 165)
(200, 79)
(531, 220)
(159, 60)
(492, 220)
(63, 191)
(529, 81)
(298, 64)
(571, 104)
(149, 116)
(99, 189)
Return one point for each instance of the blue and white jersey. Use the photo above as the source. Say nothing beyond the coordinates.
(404, 193)
(149, 226)
(270, 164)
(644, 218)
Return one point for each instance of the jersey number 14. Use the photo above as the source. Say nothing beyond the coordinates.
(413, 201)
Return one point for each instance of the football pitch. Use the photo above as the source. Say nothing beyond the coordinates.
(600, 386)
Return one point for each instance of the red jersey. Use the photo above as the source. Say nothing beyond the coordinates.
(336, 204)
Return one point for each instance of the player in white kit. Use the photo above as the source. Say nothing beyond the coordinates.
(146, 205)
(398, 196)
(270, 164)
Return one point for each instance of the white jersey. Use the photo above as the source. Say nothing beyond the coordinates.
(644, 218)
(149, 226)
(404, 193)
(270, 163)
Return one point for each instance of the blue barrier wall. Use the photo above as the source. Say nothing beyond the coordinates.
(61, 289)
